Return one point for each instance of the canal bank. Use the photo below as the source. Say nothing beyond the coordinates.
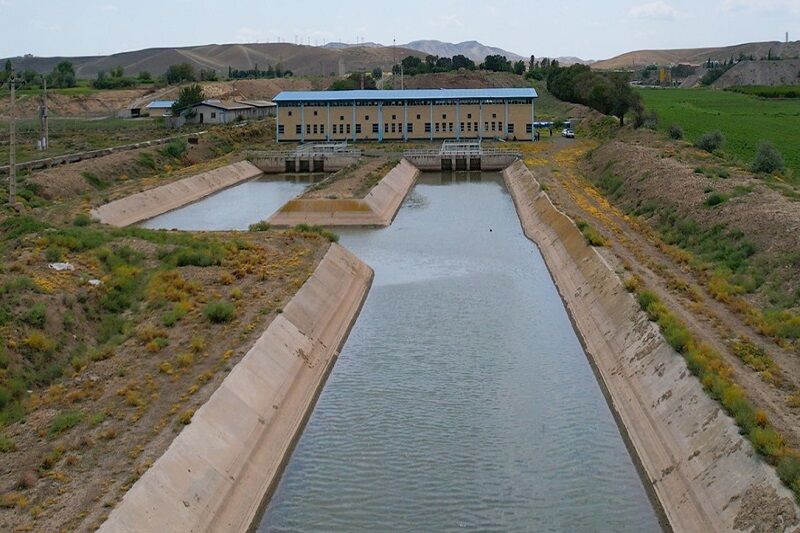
(704, 474)
(220, 468)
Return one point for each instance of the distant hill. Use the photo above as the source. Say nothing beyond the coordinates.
(340, 46)
(471, 49)
(697, 56)
(302, 60)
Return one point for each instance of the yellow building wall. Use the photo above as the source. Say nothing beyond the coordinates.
(450, 121)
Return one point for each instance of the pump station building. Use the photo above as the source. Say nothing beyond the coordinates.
(426, 114)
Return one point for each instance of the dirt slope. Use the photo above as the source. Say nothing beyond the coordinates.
(463, 80)
(784, 72)
(697, 56)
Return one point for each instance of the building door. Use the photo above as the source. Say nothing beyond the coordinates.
(201, 118)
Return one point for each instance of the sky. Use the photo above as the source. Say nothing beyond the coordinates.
(596, 29)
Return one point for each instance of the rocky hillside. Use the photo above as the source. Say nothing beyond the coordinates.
(784, 72)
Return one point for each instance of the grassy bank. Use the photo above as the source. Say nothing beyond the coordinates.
(745, 120)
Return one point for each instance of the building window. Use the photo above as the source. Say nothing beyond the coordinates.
(358, 128)
(308, 128)
(385, 127)
(500, 126)
(469, 115)
(469, 126)
(341, 117)
(410, 127)
(437, 127)
(444, 116)
(375, 128)
(475, 126)
(315, 128)
(213, 114)
(366, 118)
(510, 128)
(419, 116)
(494, 115)
(528, 128)
(289, 113)
(485, 126)
(461, 126)
(322, 128)
(280, 129)
(427, 127)
(494, 126)
(394, 117)
(393, 127)
(298, 129)
(315, 113)
(348, 128)
(450, 127)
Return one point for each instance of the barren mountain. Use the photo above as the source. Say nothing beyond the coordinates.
(697, 56)
(471, 49)
(302, 60)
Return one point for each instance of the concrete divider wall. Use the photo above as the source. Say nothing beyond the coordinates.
(704, 474)
(148, 204)
(377, 209)
(218, 471)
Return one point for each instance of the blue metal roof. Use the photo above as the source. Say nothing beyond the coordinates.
(160, 104)
(409, 94)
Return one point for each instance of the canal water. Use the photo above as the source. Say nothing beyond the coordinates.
(462, 400)
(234, 208)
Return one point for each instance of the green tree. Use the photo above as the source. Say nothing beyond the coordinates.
(187, 98)
(519, 67)
(623, 97)
(179, 73)
(461, 61)
(145, 76)
(496, 63)
(63, 75)
(377, 73)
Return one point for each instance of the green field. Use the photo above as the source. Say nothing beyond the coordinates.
(744, 120)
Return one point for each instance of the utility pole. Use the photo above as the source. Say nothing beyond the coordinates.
(12, 157)
(44, 131)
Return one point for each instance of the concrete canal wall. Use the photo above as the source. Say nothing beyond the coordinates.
(217, 473)
(148, 204)
(704, 474)
(378, 208)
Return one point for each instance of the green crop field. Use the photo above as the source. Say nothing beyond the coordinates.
(744, 120)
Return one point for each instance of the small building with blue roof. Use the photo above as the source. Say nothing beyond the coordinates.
(401, 115)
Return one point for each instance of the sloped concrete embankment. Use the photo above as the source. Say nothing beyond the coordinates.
(705, 475)
(218, 471)
(148, 204)
(378, 208)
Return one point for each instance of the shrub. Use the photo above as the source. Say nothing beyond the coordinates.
(93, 180)
(177, 312)
(175, 148)
(675, 132)
(146, 160)
(219, 311)
(768, 159)
(6, 444)
(65, 421)
(590, 234)
(260, 226)
(35, 316)
(39, 342)
(186, 416)
(710, 141)
(318, 230)
(82, 220)
(53, 253)
(714, 198)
